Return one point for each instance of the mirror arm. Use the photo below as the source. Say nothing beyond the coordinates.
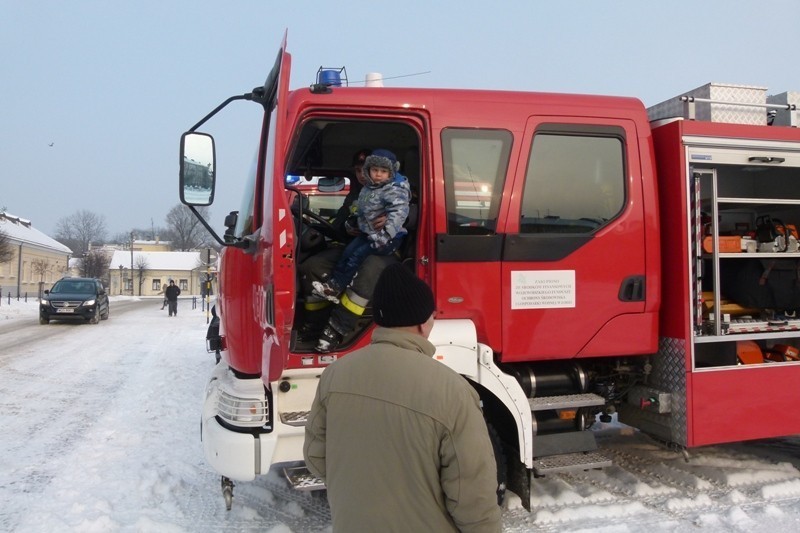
(255, 96)
(205, 224)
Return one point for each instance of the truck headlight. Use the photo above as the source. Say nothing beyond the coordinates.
(246, 412)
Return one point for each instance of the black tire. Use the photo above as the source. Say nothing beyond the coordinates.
(95, 317)
(104, 316)
(43, 320)
(500, 460)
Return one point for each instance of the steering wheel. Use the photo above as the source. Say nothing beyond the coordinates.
(320, 223)
(318, 219)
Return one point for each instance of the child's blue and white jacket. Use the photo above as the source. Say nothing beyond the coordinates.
(390, 198)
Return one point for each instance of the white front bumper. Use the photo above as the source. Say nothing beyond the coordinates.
(242, 456)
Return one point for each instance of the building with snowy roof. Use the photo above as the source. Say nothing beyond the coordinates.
(37, 260)
(148, 273)
(156, 245)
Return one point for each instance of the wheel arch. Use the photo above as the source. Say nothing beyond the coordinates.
(504, 402)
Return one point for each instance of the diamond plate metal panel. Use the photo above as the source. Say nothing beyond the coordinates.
(570, 462)
(669, 375)
(745, 94)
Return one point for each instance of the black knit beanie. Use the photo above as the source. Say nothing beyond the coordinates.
(401, 298)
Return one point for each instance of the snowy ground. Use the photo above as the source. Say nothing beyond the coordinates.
(101, 434)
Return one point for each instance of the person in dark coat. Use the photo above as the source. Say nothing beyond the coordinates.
(397, 436)
(172, 293)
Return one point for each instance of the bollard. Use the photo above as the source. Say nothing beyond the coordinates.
(26, 296)
(9, 297)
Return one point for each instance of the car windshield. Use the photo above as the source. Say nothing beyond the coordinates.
(72, 286)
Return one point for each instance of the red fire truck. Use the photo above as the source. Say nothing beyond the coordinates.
(562, 236)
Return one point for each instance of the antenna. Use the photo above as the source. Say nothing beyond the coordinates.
(376, 77)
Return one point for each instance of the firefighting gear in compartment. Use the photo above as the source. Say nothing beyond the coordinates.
(763, 283)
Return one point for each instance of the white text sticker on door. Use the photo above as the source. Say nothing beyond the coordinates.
(542, 289)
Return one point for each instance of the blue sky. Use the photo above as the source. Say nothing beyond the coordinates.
(112, 84)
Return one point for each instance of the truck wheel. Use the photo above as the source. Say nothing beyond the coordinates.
(500, 460)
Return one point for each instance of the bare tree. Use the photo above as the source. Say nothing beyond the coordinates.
(81, 229)
(94, 265)
(141, 268)
(6, 250)
(41, 267)
(185, 231)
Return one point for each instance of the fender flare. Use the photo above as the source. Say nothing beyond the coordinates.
(458, 348)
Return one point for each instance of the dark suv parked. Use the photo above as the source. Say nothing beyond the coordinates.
(74, 298)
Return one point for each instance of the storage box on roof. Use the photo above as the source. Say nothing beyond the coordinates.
(783, 117)
(717, 112)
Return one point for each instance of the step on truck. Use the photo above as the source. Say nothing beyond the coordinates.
(574, 244)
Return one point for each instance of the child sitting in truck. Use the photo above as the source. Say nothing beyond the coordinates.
(386, 192)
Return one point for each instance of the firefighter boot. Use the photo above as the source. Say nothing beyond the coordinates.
(329, 340)
(315, 317)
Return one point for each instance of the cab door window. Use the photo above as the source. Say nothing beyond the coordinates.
(475, 166)
(575, 182)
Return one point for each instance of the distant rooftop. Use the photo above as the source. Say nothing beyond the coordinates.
(157, 260)
(21, 230)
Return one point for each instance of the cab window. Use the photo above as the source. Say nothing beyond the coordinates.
(575, 182)
(475, 163)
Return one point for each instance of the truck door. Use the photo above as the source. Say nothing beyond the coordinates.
(573, 268)
(277, 235)
(247, 292)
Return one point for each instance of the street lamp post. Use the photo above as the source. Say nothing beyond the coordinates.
(132, 265)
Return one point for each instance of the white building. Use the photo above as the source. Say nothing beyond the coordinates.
(37, 261)
(154, 270)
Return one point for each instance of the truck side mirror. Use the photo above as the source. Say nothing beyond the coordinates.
(197, 169)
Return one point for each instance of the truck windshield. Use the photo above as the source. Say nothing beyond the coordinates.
(244, 224)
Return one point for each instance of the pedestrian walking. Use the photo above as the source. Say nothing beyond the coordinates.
(172, 292)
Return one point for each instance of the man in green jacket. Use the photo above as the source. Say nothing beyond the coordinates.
(398, 437)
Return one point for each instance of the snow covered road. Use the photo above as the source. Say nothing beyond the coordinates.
(101, 434)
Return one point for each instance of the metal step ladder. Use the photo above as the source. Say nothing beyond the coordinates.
(570, 401)
(571, 451)
(567, 462)
(300, 478)
(295, 418)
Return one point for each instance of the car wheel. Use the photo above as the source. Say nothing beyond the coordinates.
(43, 320)
(104, 316)
(95, 317)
